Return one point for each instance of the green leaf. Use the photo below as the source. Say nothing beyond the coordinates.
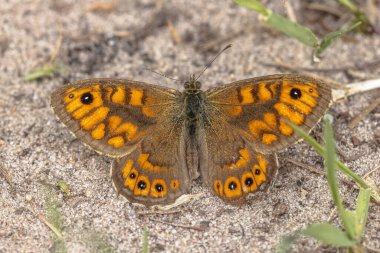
(286, 242)
(362, 205)
(96, 241)
(331, 37)
(349, 5)
(294, 30)
(45, 71)
(330, 158)
(63, 186)
(330, 164)
(145, 248)
(328, 234)
(253, 5)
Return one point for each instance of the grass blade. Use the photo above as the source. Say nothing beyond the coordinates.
(362, 205)
(45, 71)
(294, 30)
(330, 164)
(328, 234)
(331, 37)
(145, 248)
(253, 5)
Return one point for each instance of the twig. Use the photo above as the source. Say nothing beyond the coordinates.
(356, 120)
(371, 171)
(198, 228)
(101, 7)
(57, 48)
(354, 88)
(217, 42)
(5, 174)
(317, 171)
(290, 11)
(174, 33)
(325, 8)
(306, 166)
(158, 212)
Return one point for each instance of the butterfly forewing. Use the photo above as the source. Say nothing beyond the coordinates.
(259, 107)
(111, 115)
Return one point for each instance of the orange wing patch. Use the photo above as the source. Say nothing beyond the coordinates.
(95, 118)
(136, 97)
(243, 160)
(264, 94)
(117, 141)
(142, 186)
(246, 95)
(232, 187)
(145, 164)
(218, 187)
(158, 188)
(98, 133)
(119, 96)
(248, 182)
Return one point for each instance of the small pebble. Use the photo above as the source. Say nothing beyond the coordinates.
(355, 141)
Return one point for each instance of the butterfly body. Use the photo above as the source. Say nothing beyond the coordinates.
(162, 138)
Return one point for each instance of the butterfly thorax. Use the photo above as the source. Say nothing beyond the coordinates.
(193, 100)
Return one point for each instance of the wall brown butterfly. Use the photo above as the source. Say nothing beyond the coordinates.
(162, 138)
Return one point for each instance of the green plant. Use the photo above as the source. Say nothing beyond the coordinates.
(353, 221)
(295, 30)
(45, 71)
(94, 240)
(145, 246)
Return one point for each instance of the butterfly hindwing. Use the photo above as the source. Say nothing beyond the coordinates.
(155, 173)
(233, 169)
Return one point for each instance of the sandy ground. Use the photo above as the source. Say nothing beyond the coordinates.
(36, 149)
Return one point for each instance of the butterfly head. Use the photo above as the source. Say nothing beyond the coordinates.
(192, 83)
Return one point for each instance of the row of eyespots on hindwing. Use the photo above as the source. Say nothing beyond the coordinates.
(295, 102)
(142, 186)
(87, 106)
(234, 187)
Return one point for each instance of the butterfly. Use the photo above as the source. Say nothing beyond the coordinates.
(161, 139)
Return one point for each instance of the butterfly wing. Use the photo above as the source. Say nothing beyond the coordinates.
(155, 173)
(138, 124)
(259, 107)
(230, 167)
(111, 116)
(245, 122)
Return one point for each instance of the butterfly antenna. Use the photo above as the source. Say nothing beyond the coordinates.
(158, 73)
(210, 62)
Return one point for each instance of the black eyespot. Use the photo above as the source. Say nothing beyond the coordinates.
(217, 185)
(71, 96)
(257, 172)
(87, 98)
(141, 185)
(311, 90)
(133, 175)
(295, 93)
(159, 187)
(232, 186)
(248, 181)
